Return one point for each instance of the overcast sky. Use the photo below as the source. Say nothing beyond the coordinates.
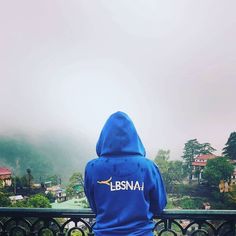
(171, 65)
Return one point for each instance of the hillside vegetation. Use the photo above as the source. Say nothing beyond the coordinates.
(45, 156)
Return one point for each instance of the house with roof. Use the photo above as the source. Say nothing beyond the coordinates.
(199, 164)
(5, 176)
(201, 161)
(16, 198)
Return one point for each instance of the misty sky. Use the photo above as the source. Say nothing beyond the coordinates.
(65, 66)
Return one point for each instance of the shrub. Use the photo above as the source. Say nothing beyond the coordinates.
(190, 203)
(4, 200)
(38, 201)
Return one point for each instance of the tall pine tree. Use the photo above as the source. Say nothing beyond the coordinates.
(230, 147)
(191, 149)
(206, 148)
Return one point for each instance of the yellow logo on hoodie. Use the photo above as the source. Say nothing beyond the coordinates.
(123, 185)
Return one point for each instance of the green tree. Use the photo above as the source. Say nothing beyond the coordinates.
(26, 180)
(38, 201)
(23, 181)
(172, 171)
(50, 197)
(230, 147)
(175, 174)
(162, 159)
(4, 200)
(20, 204)
(17, 181)
(191, 150)
(55, 179)
(218, 169)
(1, 184)
(35, 201)
(206, 148)
(29, 177)
(75, 179)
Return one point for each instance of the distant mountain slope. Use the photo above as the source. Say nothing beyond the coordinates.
(67, 153)
(45, 155)
(19, 154)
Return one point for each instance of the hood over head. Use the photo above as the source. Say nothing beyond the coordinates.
(119, 137)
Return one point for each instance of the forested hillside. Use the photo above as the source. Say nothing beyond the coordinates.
(45, 155)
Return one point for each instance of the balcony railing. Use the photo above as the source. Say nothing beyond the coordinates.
(53, 222)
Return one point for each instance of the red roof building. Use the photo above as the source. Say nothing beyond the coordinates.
(202, 159)
(5, 175)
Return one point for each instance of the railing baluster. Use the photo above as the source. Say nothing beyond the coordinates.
(234, 227)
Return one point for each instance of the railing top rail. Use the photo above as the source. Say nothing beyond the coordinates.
(87, 213)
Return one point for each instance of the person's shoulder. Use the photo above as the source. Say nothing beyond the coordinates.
(148, 162)
(91, 163)
(152, 165)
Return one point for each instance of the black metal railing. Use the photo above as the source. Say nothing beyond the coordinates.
(61, 222)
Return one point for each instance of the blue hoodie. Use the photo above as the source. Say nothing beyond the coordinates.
(124, 189)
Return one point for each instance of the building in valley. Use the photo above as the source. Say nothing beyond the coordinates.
(201, 161)
(5, 176)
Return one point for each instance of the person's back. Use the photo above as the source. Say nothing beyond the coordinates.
(124, 189)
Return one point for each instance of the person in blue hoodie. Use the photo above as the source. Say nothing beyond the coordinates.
(124, 189)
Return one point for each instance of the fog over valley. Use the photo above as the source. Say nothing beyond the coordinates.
(66, 66)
